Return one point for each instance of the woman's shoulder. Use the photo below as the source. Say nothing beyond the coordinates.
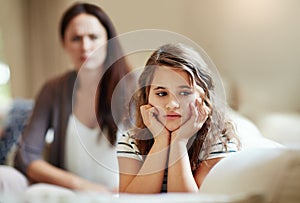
(63, 77)
(58, 82)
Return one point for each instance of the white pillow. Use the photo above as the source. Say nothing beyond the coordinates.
(284, 128)
(271, 172)
(249, 134)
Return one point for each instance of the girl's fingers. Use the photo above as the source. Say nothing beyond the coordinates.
(150, 118)
(203, 109)
(145, 107)
(149, 114)
(149, 109)
(143, 113)
(193, 111)
(146, 112)
(153, 112)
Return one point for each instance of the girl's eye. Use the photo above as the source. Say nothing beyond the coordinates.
(184, 93)
(161, 94)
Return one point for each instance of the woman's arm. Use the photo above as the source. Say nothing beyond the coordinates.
(32, 140)
(29, 157)
(42, 171)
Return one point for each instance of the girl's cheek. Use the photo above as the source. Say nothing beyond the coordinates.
(192, 99)
(161, 111)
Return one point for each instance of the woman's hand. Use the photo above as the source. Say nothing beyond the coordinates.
(90, 187)
(150, 119)
(198, 114)
(43, 172)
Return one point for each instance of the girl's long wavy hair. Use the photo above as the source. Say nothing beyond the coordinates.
(181, 57)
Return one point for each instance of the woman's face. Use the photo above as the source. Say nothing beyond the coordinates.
(85, 41)
(172, 92)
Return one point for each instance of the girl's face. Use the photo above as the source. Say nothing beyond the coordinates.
(172, 92)
(83, 36)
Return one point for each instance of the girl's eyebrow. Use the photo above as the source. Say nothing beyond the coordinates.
(159, 87)
(185, 87)
(181, 87)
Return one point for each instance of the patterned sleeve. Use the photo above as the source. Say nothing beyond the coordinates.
(218, 150)
(127, 147)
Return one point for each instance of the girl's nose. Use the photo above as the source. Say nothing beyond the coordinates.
(172, 103)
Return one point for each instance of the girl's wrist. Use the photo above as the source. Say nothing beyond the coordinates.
(163, 137)
(178, 149)
(175, 138)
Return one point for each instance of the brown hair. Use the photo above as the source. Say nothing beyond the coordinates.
(182, 57)
(79, 8)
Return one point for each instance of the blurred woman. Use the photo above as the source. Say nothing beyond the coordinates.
(82, 155)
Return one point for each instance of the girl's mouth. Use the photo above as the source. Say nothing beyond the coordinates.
(172, 116)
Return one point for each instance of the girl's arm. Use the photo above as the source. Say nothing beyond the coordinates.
(204, 169)
(180, 176)
(147, 177)
(42, 171)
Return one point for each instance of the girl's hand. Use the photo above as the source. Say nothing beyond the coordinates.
(199, 114)
(150, 119)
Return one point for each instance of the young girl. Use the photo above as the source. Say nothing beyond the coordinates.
(180, 133)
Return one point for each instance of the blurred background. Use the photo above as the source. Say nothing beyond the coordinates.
(255, 45)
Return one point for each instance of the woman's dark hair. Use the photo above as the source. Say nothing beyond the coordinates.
(79, 8)
(115, 65)
(181, 57)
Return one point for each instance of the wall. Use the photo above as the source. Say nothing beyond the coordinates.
(14, 33)
(255, 45)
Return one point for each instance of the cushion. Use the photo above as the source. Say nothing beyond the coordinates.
(250, 136)
(271, 172)
(15, 122)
